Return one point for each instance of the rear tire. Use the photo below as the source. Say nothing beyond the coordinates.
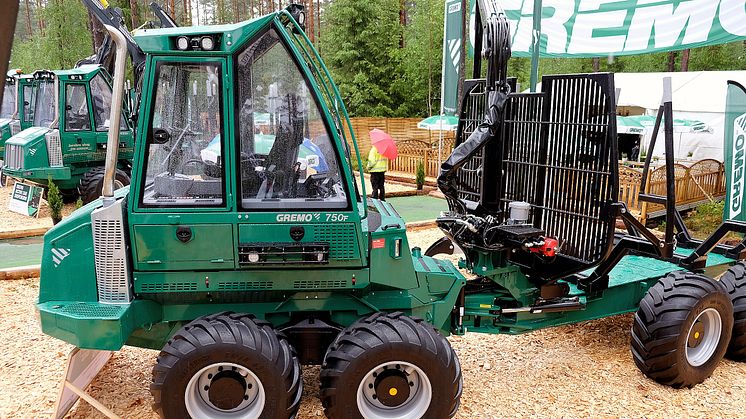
(92, 183)
(251, 368)
(390, 365)
(682, 329)
(734, 282)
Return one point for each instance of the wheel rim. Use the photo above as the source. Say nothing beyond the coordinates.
(703, 337)
(224, 390)
(394, 389)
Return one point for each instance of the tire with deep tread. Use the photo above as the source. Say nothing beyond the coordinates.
(662, 324)
(385, 337)
(92, 183)
(228, 337)
(734, 282)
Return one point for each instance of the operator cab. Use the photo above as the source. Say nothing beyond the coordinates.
(286, 157)
(242, 158)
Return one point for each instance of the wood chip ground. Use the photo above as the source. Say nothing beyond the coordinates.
(582, 370)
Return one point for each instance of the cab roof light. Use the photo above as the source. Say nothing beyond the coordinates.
(43, 74)
(196, 43)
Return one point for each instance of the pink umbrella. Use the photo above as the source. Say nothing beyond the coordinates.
(384, 144)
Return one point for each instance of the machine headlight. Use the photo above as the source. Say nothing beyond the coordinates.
(207, 43)
(182, 43)
(301, 18)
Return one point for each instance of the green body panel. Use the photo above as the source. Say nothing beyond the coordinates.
(189, 262)
(81, 149)
(158, 247)
(4, 135)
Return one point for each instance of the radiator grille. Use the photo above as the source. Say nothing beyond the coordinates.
(54, 148)
(244, 285)
(15, 127)
(174, 286)
(109, 247)
(341, 239)
(13, 156)
(314, 284)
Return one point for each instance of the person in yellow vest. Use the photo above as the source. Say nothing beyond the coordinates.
(377, 166)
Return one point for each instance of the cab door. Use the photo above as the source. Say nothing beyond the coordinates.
(181, 218)
(296, 203)
(77, 126)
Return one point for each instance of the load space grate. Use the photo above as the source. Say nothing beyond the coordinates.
(559, 155)
(469, 179)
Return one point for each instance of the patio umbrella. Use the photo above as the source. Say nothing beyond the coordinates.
(439, 123)
(383, 143)
(626, 125)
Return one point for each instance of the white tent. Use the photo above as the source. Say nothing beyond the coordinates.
(697, 95)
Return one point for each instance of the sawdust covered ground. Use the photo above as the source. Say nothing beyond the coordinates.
(583, 370)
(11, 221)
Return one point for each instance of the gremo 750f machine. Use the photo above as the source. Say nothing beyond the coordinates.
(243, 248)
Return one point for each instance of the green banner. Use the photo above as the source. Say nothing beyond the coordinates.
(451, 57)
(735, 152)
(592, 28)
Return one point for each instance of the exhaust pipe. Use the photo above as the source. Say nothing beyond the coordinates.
(115, 117)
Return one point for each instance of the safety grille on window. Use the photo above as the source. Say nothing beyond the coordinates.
(54, 148)
(13, 156)
(15, 127)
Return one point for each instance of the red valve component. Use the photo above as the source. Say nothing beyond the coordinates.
(547, 247)
(550, 247)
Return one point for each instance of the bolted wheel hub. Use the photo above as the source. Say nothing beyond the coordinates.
(703, 337)
(392, 387)
(696, 335)
(227, 390)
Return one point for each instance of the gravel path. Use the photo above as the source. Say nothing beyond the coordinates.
(579, 370)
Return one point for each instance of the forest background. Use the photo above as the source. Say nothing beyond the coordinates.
(385, 55)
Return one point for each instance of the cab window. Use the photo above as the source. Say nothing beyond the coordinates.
(185, 147)
(101, 97)
(44, 104)
(28, 103)
(287, 157)
(77, 117)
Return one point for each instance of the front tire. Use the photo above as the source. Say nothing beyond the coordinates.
(92, 183)
(390, 366)
(227, 366)
(734, 282)
(682, 329)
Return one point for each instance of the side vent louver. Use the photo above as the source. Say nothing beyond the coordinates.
(109, 247)
(54, 148)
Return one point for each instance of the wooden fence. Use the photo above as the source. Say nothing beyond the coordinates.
(701, 182)
(414, 144)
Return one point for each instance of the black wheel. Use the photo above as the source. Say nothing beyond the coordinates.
(69, 195)
(681, 330)
(734, 282)
(92, 183)
(390, 366)
(227, 366)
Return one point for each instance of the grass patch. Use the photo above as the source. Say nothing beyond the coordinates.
(704, 220)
